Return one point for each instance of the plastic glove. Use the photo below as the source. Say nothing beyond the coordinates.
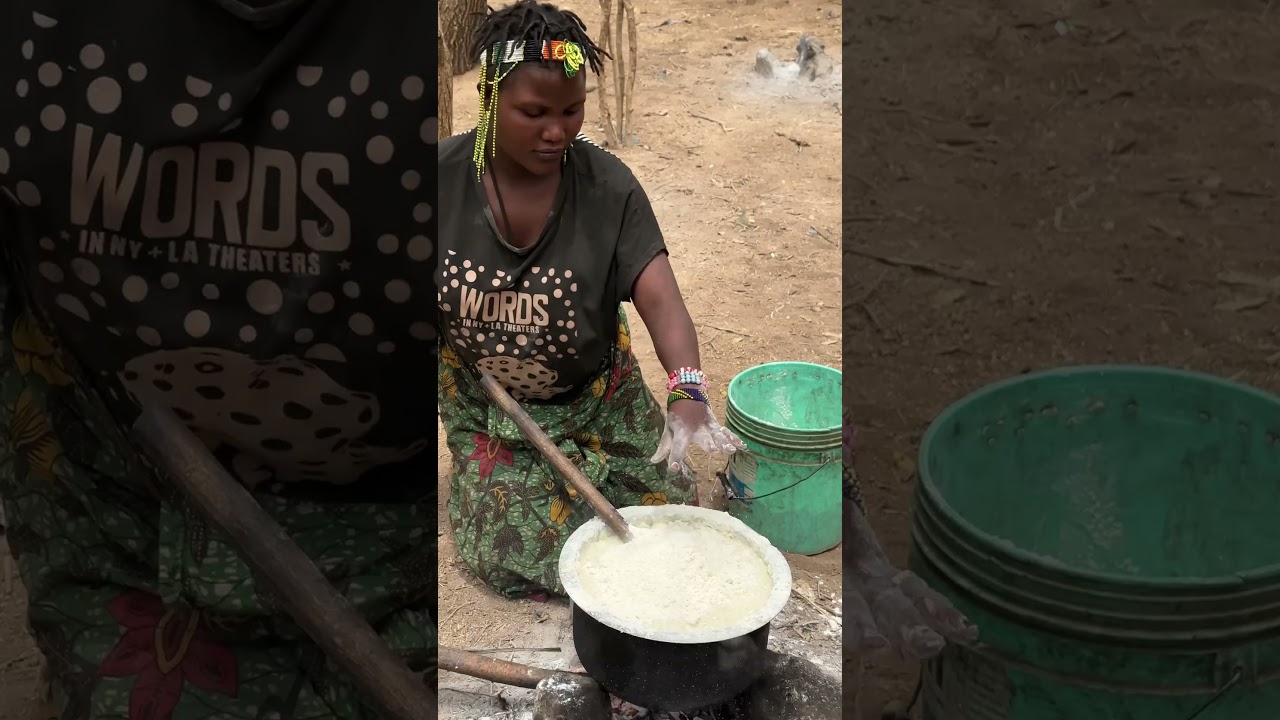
(690, 422)
(894, 612)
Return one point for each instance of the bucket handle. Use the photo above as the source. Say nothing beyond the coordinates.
(826, 460)
(1237, 674)
(723, 475)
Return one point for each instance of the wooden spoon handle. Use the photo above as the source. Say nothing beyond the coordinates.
(565, 467)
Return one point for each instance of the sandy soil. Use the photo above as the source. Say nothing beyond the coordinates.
(748, 197)
(1074, 178)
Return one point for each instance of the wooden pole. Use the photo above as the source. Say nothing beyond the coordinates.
(444, 84)
(492, 669)
(459, 20)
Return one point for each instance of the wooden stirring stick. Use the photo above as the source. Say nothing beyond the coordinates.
(563, 465)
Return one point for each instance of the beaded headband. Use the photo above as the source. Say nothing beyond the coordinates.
(516, 51)
(511, 53)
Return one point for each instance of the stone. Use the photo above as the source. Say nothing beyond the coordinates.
(795, 689)
(567, 696)
(766, 64)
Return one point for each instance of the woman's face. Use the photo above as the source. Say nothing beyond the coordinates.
(539, 113)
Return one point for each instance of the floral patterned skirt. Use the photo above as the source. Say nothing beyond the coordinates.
(511, 513)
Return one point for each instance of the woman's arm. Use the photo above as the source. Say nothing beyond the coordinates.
(689, 421)
(656, 296)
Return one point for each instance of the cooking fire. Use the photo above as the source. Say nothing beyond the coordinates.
(737, 709)
(786, 687)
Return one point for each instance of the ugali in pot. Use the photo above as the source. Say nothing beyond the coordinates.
(662, 670)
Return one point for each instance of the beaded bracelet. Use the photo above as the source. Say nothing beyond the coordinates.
(685, 394)
(686, 376)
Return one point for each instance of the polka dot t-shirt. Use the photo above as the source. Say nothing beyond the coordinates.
(234, 219)
(542, 319)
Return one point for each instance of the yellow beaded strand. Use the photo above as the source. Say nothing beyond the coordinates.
(487, 115)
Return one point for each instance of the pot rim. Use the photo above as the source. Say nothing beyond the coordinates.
(779, 569)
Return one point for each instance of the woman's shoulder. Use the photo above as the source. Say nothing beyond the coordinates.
(602, 167)
(456, 150)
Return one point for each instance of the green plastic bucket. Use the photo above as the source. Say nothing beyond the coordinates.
(1114, 531)
(786, 484)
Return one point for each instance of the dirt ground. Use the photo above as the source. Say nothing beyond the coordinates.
(741, 176)
(1075, 180)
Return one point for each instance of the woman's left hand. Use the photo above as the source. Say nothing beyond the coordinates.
(690, 422)
(895, 614)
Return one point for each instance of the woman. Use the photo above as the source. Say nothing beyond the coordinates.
(543, 237)
(220, 207)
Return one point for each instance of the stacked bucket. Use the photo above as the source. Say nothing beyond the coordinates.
(1114, 532)
(787, 482)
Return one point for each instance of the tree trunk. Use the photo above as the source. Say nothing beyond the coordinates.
(444, 85)
(459, 20)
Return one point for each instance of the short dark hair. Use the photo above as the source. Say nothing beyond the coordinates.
(531, 21)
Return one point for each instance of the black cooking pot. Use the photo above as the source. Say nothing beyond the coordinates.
(671, 671)
(672, 677)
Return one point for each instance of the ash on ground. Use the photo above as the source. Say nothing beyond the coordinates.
(800, 630)
(811, 76)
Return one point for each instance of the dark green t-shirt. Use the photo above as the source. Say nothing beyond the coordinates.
(234, 219)
(541, 319)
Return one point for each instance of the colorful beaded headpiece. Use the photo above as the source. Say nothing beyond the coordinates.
(510, 54)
